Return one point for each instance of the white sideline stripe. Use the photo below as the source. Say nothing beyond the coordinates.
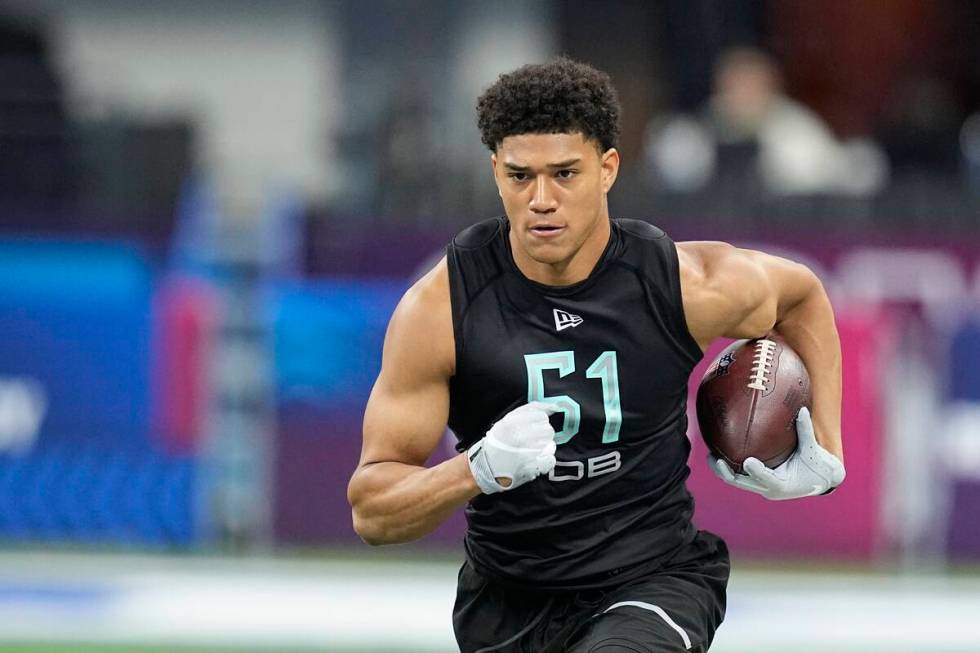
(658, 610)
(318, 604)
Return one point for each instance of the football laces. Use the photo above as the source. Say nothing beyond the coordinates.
(765, 352)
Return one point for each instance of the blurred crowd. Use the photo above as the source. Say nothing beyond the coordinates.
(736, 112)
(752, 137)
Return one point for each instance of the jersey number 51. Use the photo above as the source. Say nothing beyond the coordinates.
(603, 368)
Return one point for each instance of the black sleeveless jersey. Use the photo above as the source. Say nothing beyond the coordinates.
(615, 353)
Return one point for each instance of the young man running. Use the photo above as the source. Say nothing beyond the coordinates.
(557, 343)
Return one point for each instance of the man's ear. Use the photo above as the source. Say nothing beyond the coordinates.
(493, 166)
(610, 168)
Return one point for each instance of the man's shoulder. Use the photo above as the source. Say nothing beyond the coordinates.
(431, 289)
(422, 321)
(479, 234)
(476, 257)
(640, 228)
(705, 259)
(703, 264)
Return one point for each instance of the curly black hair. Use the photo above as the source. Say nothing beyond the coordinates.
(562, 96)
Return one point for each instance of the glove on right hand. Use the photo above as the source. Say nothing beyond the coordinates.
(520, 447)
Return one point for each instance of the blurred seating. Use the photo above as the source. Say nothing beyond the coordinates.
(929, 279)
(35, 151)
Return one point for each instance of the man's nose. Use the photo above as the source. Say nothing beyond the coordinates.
(543, 200)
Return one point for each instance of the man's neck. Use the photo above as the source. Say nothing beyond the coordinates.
(570, 271)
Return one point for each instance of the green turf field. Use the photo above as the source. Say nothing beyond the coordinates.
(121, 648)
(95, 648)
(124, 648)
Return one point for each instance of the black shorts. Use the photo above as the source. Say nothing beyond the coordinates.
(676, 608)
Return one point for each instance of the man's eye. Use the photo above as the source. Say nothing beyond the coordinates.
(518, 176)
(566, 174)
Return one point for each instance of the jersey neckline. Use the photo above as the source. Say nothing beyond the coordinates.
(570, 289)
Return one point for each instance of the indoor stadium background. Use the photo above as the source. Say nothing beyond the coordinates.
(208, 210)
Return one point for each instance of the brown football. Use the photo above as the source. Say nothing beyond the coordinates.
(748, 400)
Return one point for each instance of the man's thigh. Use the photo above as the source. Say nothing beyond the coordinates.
(677, 609)
(623, 632)
(490, 617)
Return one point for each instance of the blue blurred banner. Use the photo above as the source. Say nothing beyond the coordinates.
(75, 320)
(328, 338)
(75, 340)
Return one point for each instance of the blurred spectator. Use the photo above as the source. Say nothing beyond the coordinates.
(35, 168)
(919, 124)
(970, 153)
(751, 136)
(409, 161)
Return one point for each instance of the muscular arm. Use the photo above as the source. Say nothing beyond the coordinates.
(737, 293)
(393, 497)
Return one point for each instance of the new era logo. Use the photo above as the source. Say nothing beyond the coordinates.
(563, 320)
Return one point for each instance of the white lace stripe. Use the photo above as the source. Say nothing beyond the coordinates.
(660, 611)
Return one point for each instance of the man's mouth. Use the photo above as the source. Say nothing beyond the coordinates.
(545, 230)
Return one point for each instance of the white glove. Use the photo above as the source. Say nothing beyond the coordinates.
(809, 471)
(520, 447)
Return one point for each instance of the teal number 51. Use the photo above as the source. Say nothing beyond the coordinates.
(603, 368)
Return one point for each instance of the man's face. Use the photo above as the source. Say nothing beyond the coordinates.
(554, 187)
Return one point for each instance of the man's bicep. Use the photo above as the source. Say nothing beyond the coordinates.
(404, 423)
(738, 293)
(409, 405)
(726, 292)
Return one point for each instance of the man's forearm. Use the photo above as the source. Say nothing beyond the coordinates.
(809, 328)
(395, 502)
